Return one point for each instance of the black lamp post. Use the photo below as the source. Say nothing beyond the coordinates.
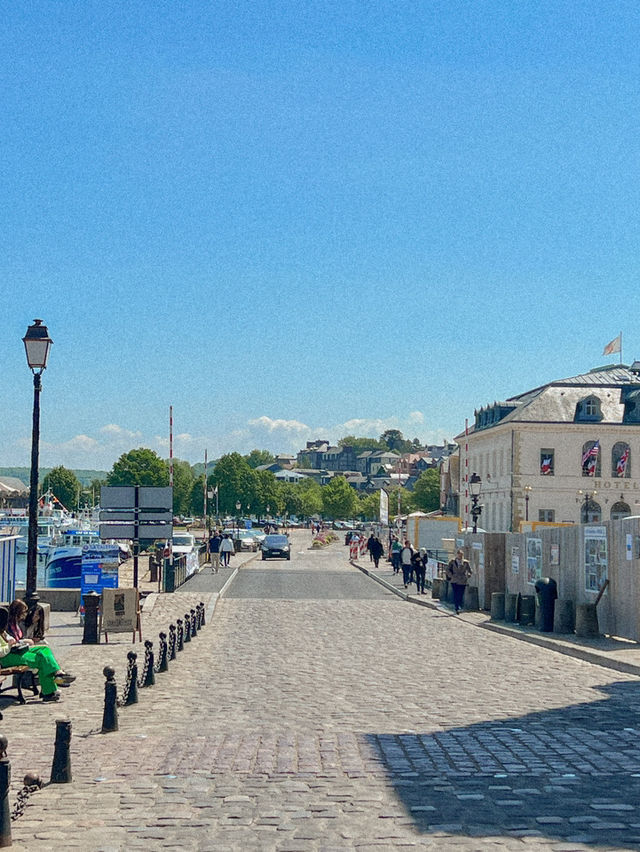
(238, 507)
(37, 344)
(475, 486)
(527, 492)
(588, 495)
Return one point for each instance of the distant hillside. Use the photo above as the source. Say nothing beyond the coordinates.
(86, 477)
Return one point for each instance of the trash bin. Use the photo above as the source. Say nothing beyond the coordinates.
(546, 593)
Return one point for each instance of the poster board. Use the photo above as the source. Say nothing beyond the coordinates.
(100, 563)
(120, 612)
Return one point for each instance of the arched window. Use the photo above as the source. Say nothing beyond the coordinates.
(620, 510)
(591, 459)
(621, 460)
(590, 512)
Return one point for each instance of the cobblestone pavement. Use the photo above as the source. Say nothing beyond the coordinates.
(319, 723)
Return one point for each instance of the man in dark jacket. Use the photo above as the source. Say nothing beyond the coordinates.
(376, 549)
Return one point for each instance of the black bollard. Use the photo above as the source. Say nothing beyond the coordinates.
(149, 674)
(194, 623)
(91, 603)
(202, 621)
(163, 662)
(180, 634)
(187, 627)
(172, 641)
(5, 783)
(61, 767)
(132, 675)
(110, 715)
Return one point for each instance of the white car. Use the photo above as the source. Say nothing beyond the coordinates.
(183, 543)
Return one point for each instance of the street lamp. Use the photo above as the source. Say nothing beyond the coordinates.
(37, 344)
(475, 486)
(527, 491)
(238, 507)
(587, 496)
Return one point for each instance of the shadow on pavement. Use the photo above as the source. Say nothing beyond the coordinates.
(570, 774)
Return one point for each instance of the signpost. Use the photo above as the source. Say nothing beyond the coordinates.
(135, 512)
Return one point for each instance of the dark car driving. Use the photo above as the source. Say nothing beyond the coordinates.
(276, 546)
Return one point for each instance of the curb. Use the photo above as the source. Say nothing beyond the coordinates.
(567, 650)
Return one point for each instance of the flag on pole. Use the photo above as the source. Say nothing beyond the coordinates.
(545, 466)
(614, 345)
(621, 464)
(590, 459)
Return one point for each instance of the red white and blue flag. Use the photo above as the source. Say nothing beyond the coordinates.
(621, 464)
(590, 459)
(545, 465)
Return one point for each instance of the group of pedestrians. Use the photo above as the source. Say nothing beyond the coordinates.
(375, 548)
(221, 547)
(413, 564)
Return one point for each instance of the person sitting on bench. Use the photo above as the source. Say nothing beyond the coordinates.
(38, 657)
(24, 624)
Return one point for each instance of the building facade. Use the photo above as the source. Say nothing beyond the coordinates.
(566, 452)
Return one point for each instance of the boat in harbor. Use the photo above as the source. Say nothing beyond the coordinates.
(63, 568)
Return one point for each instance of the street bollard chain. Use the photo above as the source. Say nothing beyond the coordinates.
(172, 642)
(131, 681)
(31, 784)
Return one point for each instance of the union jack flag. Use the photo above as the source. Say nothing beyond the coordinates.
(590, 459)
(621, 464)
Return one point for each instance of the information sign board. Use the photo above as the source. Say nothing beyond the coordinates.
(100, 563)
(119, 613)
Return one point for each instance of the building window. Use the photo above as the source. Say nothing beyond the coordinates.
(588, 410)
(591, 459)
(547, 516)
(620, 510)
(546, 462)
(590, 512)
(621, 460)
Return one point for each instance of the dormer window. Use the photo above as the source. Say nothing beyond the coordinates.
(588, 410)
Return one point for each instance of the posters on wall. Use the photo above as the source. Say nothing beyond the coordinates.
(100, 563)
(534, 560)
(596, 559)
(515, 560)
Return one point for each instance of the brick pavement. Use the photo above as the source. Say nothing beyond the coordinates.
(343, 724)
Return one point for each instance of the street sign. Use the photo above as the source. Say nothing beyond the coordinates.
(124, 530)
(124, 497)
(130, 516)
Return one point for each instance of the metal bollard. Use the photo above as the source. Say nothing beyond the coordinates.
(172, 641)
(5, 783)
(194, 623)
(187, 627)
(202, 608)
(61, 767)
(132, 675)
(110, 715)
(163, 662)
(180, 634)
(149, 677)
(90, 634)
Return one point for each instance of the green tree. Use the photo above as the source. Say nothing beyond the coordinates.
(310, 493)
(236, 481)
(183, 480)
(139, 467)
(339, 500)
(94, 489)
(267, 494)
(196, 496)
(393, 439)
(426, 491)
(65, 485)
(362, 444)
(257, 457)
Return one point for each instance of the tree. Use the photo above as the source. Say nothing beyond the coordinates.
(393, 439)
(236, 481)
(370, 506)
(361, 444)
(258, 457)
(339, 500)
(310, 493)
(139, 467)
(65, 485)
(426, 491)
(183, 480)
(196, 495)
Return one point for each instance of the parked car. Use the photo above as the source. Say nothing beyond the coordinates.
(246, 538)
(276, 546)
(188, 521)
(183, 543)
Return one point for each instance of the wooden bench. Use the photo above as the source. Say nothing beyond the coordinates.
(21, 677)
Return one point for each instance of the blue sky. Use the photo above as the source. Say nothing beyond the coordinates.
(300, 220)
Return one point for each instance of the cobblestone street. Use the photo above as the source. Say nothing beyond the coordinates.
(354, 722)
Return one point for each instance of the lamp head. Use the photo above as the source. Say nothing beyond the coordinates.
(475, 485)
(37, 344)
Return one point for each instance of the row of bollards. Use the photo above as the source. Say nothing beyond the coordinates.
(60, 774)
(183, 631)
(546, 612)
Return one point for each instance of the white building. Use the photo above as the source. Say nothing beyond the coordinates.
(568, 451)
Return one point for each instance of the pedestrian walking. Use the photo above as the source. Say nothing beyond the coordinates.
(226, 549)
(405, 560)
(420, 570)
(214, 550)
(396, 550)
(458, 572)
(376, 549)
(370, 541)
